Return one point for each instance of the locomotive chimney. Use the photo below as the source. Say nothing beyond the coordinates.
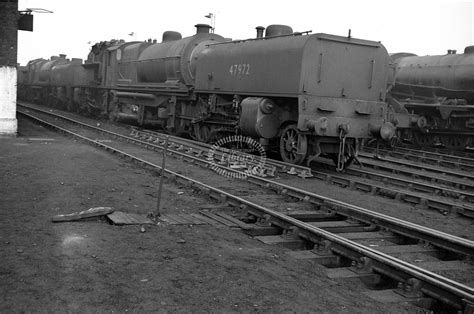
(260, 30)
(202, 28)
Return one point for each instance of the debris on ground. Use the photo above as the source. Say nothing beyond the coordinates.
(91, 212)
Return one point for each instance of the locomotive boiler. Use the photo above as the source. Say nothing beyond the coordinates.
(303, 95)
(440, 89)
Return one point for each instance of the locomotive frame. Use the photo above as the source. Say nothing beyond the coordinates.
(305, 95)
(440, 90)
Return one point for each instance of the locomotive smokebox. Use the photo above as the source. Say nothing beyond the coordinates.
(202, 28)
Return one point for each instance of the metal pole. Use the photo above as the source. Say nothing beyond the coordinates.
(160, 188)
(214, 24)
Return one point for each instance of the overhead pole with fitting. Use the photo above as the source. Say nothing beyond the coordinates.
(212, 16)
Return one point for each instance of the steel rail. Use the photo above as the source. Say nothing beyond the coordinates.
(419, 186)
(467, 153)
(423, 199)
(424, 155)
(381, 164)
(299, 170)
(435, 237)
(417, 193)
(152, 137)
(364, 214)
(366, 159)
(459, 290)
(147, 136)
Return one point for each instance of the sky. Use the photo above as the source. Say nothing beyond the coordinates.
(423, 27)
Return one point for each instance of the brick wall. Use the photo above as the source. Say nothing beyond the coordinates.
(8, 32)
(8, 57)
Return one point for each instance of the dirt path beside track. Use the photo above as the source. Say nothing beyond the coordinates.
(93, 266)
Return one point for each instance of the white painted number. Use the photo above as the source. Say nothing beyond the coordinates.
(239, 69)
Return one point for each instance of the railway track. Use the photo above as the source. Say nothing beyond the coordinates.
(432, 196)
(468, 153)
(406, 166)
(431, 158)
(411, 262)
(445, 199)
(270, 168)
(459, 180)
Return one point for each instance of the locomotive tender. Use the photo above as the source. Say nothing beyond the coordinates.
(305, 95)
(440, 89)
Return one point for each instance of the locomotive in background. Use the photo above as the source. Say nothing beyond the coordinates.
(440, 91)
(304, 95)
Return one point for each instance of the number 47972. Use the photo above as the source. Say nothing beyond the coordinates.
(240, 69)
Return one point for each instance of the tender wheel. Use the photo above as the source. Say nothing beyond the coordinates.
(290, 140)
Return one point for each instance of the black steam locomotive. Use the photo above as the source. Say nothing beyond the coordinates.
(440, 91)
(304, 95)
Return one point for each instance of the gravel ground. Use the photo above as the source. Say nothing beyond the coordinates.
(93, 266)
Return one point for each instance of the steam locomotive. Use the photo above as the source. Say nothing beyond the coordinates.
(303, 95)
(440, 90)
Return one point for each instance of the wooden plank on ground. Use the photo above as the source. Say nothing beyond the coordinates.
(91, 212)
(368, 236)
(218, 218)
(184, 219)
(348, 273)
(166, 219)
(121, 218)
(308, 215)
(192, 220)
(241, 224)
(205, 219)
(187, 218)
(290, 243)
(212, 206)
(178, 219)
